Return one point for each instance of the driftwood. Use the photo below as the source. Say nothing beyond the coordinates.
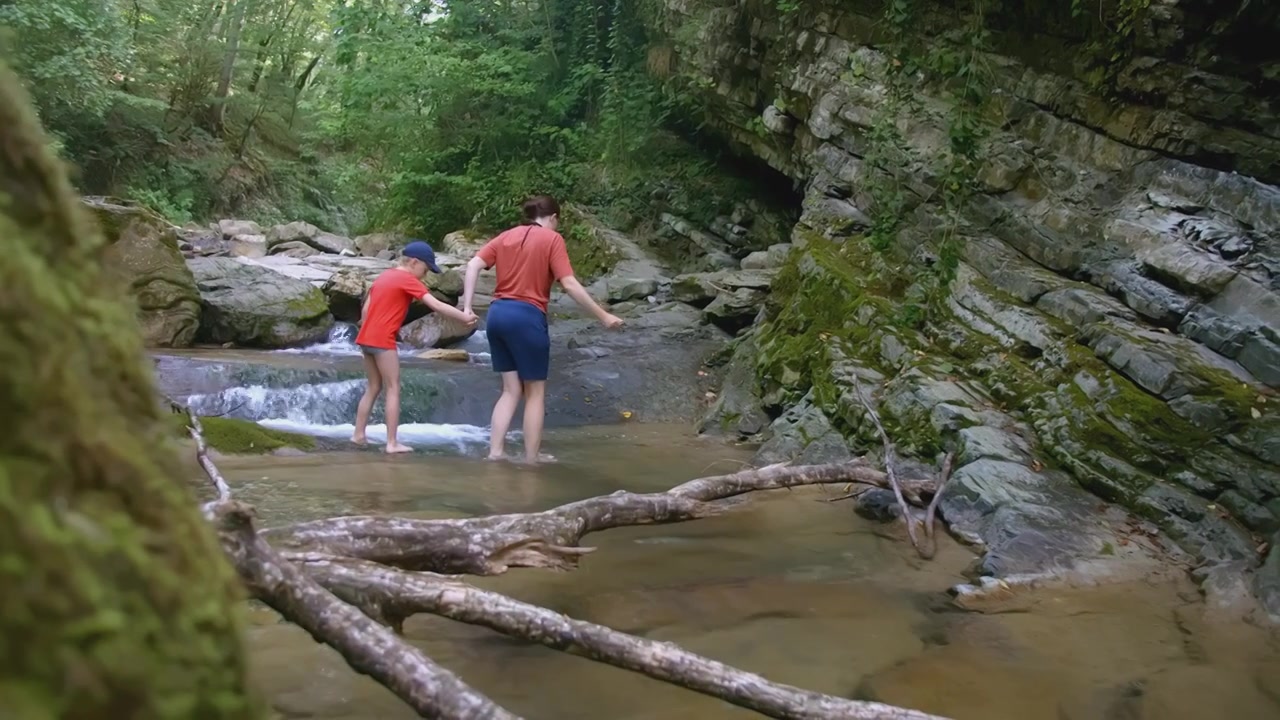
(900, 488)
(491, 545)
(345, 580)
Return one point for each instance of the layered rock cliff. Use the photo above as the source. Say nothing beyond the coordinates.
(1090, 303)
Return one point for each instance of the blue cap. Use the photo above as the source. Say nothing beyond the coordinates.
(419, 250)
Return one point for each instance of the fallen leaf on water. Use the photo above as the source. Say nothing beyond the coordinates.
(626, 413)
(1037, 465)
(1255, 413)
(701, 374)
(710, 394)
(1262, 549)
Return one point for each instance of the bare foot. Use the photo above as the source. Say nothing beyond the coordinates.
(359, 440)
(397, 448)
(542, 458)
(496, 457)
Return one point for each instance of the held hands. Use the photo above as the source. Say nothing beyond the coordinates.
(468, 318)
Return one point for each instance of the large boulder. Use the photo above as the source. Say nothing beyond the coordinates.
(294, 249)
(142, 253)
(311, 235)
(349, 280)
(734, 310)
(434, 331)
(462, 243)
(375, 244)
(232, 228)
(345, 291)
(699, 289)
(250, 246)
(623, 289)
(252, 305)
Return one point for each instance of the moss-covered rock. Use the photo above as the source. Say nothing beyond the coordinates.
(118, 601)
(232, 436)
(141, 253)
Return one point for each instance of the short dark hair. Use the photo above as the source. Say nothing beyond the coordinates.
(540, 206)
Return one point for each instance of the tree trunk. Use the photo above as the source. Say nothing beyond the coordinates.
(228, 65)
(117, 601)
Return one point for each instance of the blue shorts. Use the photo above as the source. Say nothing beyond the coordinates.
(518, 339)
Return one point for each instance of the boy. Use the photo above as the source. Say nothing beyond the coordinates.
(384, 310)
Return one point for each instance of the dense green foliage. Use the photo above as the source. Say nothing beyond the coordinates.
(423, 116)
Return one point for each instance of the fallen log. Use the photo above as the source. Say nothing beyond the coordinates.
(368, 647)
(400, 594)
(491, 545)
(346, 602)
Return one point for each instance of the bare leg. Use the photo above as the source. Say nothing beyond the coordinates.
(371, 390)
(535, 394)
(389, 366)
(503, 411)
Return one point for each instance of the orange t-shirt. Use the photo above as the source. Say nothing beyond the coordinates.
(389, 299)
(529, 259)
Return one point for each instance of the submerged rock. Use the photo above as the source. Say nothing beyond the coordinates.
(253, 306)
(142, 255)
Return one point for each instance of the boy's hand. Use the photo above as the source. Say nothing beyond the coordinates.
(611, 321)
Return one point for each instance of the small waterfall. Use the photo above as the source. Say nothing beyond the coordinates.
(328, 410)
(331, 402)
(342, 341)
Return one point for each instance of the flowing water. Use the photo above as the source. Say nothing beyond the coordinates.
(787, 585)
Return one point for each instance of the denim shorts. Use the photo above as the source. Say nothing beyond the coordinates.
(518, 339)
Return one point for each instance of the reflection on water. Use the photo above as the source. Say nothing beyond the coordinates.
(799, 590)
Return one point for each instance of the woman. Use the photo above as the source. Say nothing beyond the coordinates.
(529, 257)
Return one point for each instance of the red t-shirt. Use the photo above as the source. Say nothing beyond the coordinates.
(389, 299)
(529, 259)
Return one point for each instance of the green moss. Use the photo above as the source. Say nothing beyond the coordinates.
(242, 437)
(591, 255)
(118, 600)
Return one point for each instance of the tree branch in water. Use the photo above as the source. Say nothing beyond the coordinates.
(491, 545)
(402, 594)
(343, 598)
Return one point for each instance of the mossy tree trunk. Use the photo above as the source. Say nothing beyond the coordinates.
(115, 600)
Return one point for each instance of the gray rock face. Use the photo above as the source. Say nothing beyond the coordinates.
(311, 235)
(255, 307)
(1267, 582)
(803, 435)
(250, 246)
(1114, 323)
(770, 259)
(374, 244)
(732, 311)
(232, 228)
(623, 289)
(737, 410)
(142, 255)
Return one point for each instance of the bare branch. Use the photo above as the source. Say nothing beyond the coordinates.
(206, 464)
(890, 463)
(367, 646)
(404, 593)
(947, 464)
(491, 545)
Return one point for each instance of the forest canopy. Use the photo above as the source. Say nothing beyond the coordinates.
(356, 114)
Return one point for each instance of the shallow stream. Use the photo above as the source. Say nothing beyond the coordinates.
(787, 584)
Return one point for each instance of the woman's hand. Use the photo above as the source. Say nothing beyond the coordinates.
(611, 321)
